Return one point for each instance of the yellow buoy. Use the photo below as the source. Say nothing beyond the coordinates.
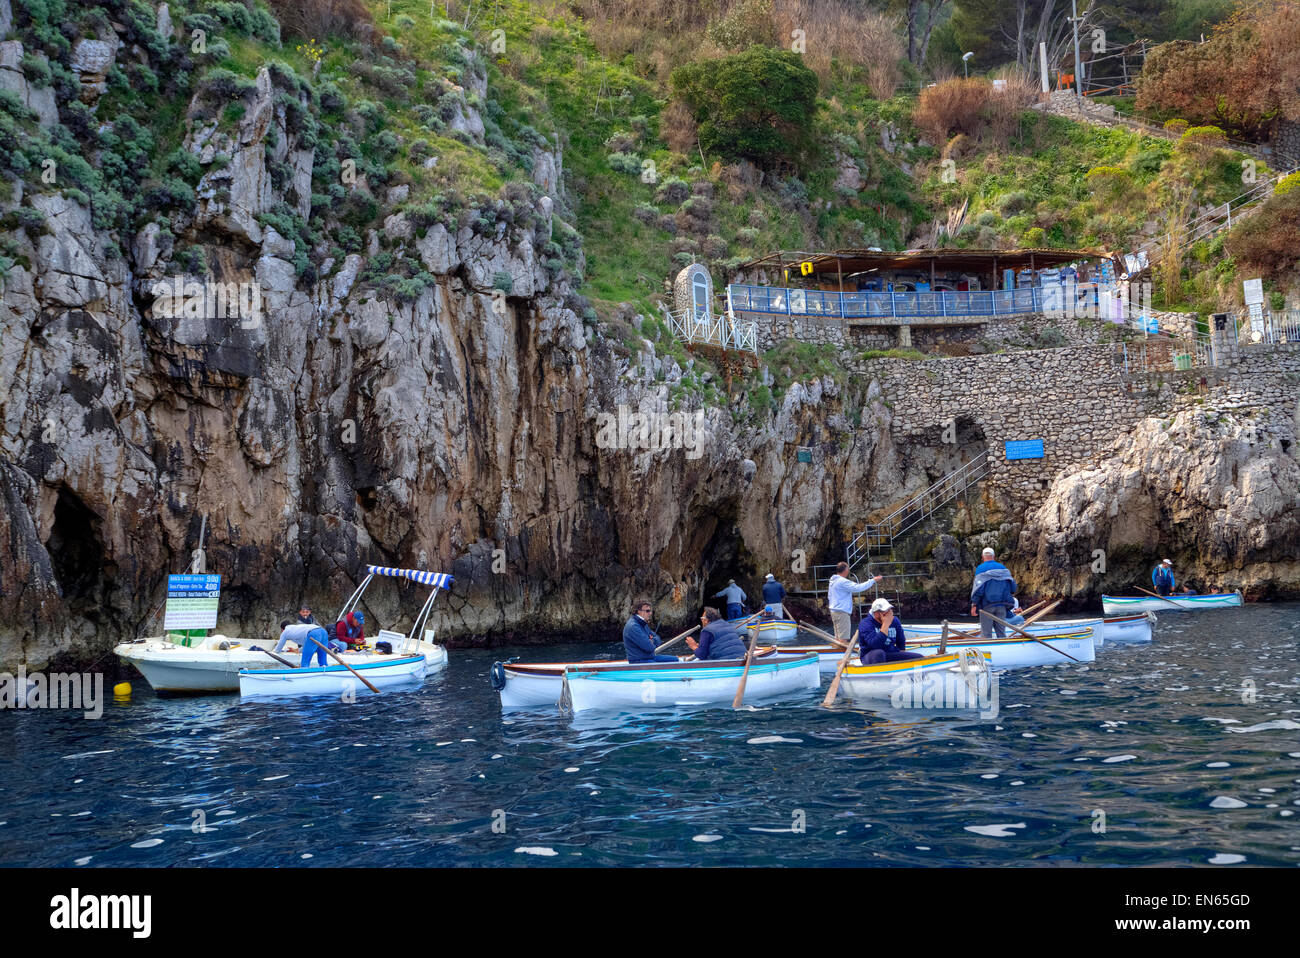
(122, 688)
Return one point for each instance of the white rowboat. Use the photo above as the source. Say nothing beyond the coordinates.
(659, 684)
(1010, 653)
(382, 671)
(1122, 605)
(942, 682)
(770, 630)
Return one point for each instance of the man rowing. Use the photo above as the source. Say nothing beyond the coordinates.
(991, 594)
(719, 639)
(639, 640)
(839, 594)
(1162, 577)
(881, 638)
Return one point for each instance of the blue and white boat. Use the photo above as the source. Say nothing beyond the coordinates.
(1123, 605)
(666, 684)
(381, 671)
(769, 630)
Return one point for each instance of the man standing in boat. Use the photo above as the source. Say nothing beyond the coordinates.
(1162, 577)
(639, 640)
(735, 597)
(718, 639)
(774, 596)
(991, 595)
(840, 595)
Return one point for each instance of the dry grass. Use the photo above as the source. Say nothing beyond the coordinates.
(319, 18)
(974, 108)
(677, 127)
(862, 39)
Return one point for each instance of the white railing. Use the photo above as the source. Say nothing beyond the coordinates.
(697, 326)
(1279, 326)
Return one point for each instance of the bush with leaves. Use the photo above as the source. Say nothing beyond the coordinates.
(758, 105)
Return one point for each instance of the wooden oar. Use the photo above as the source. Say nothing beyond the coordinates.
(1161, 598)
(1016, 628)
(676, 640)
(834, 690)
(285, 662)
(342, 663)
(820, 634)
(739, 700)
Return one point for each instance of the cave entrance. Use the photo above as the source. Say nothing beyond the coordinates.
(76, 554)
(725, 557)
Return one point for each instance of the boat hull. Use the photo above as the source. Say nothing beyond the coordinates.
(690, 683)
(1130, 629)
(772, 630)
(1006, 654)
(382, 671)
(935, 682)
(1121, 605)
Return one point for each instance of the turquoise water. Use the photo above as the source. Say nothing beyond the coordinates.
(1157, 738)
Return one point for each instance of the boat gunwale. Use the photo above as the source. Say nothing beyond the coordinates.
(774, 662)
(334, 669)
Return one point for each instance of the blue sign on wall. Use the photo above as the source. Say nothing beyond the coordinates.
(1025, 449)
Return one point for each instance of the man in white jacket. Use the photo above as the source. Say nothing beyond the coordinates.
(840, 594)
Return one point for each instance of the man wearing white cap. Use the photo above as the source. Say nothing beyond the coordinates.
(991, 594)
(774, 596)
(1162, 577)
(880, 636)
(840, 593)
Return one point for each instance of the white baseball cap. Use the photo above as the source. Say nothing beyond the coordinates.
(1166, 562)
(770, 576)
(988, 551)
(880, 605)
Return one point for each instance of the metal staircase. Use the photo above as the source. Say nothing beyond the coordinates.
(874, 545)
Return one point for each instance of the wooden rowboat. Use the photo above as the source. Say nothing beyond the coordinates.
(955, 681)
(382, 671)
(770, 630)
(1008, 653)
(1123, 605)
(659, 684)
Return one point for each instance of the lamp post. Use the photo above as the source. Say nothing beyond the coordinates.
(965, 58)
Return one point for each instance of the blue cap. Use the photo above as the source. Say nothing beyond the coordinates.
(359, 616)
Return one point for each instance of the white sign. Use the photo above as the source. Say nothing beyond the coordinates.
(1254, 291)
(192, 601)
(1256, 322)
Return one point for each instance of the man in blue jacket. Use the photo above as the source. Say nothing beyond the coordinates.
(718, 639)
(734, 595)
(991, 593)
(881, 638)
(1162, 577)
(774, 596)
(639, 640)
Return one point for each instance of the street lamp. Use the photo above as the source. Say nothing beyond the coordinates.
(964, 58)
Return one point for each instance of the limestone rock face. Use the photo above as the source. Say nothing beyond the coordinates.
(1217, 493)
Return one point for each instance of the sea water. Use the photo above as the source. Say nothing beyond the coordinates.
(1183, 751)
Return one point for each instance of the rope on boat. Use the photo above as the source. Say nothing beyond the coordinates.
(973, 664)
(566, 700)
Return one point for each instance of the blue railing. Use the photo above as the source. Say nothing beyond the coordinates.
(863, 305)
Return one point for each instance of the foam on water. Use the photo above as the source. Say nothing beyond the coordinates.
(995, 831)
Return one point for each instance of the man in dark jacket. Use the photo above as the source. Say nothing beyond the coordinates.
(881, 638)
(639, 640)
(990, 594)
(305, 617)
(774, 596)
(718, 639)
(1162, 577)
(351, 631)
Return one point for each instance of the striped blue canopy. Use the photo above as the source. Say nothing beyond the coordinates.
(440, 579)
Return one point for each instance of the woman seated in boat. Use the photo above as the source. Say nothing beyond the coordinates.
(718, 639)
(880, 636)
(1186, 590)
(1015, 618)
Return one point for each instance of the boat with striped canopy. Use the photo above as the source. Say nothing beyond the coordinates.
(394, 659)
(1122, 605)
(654, 685)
